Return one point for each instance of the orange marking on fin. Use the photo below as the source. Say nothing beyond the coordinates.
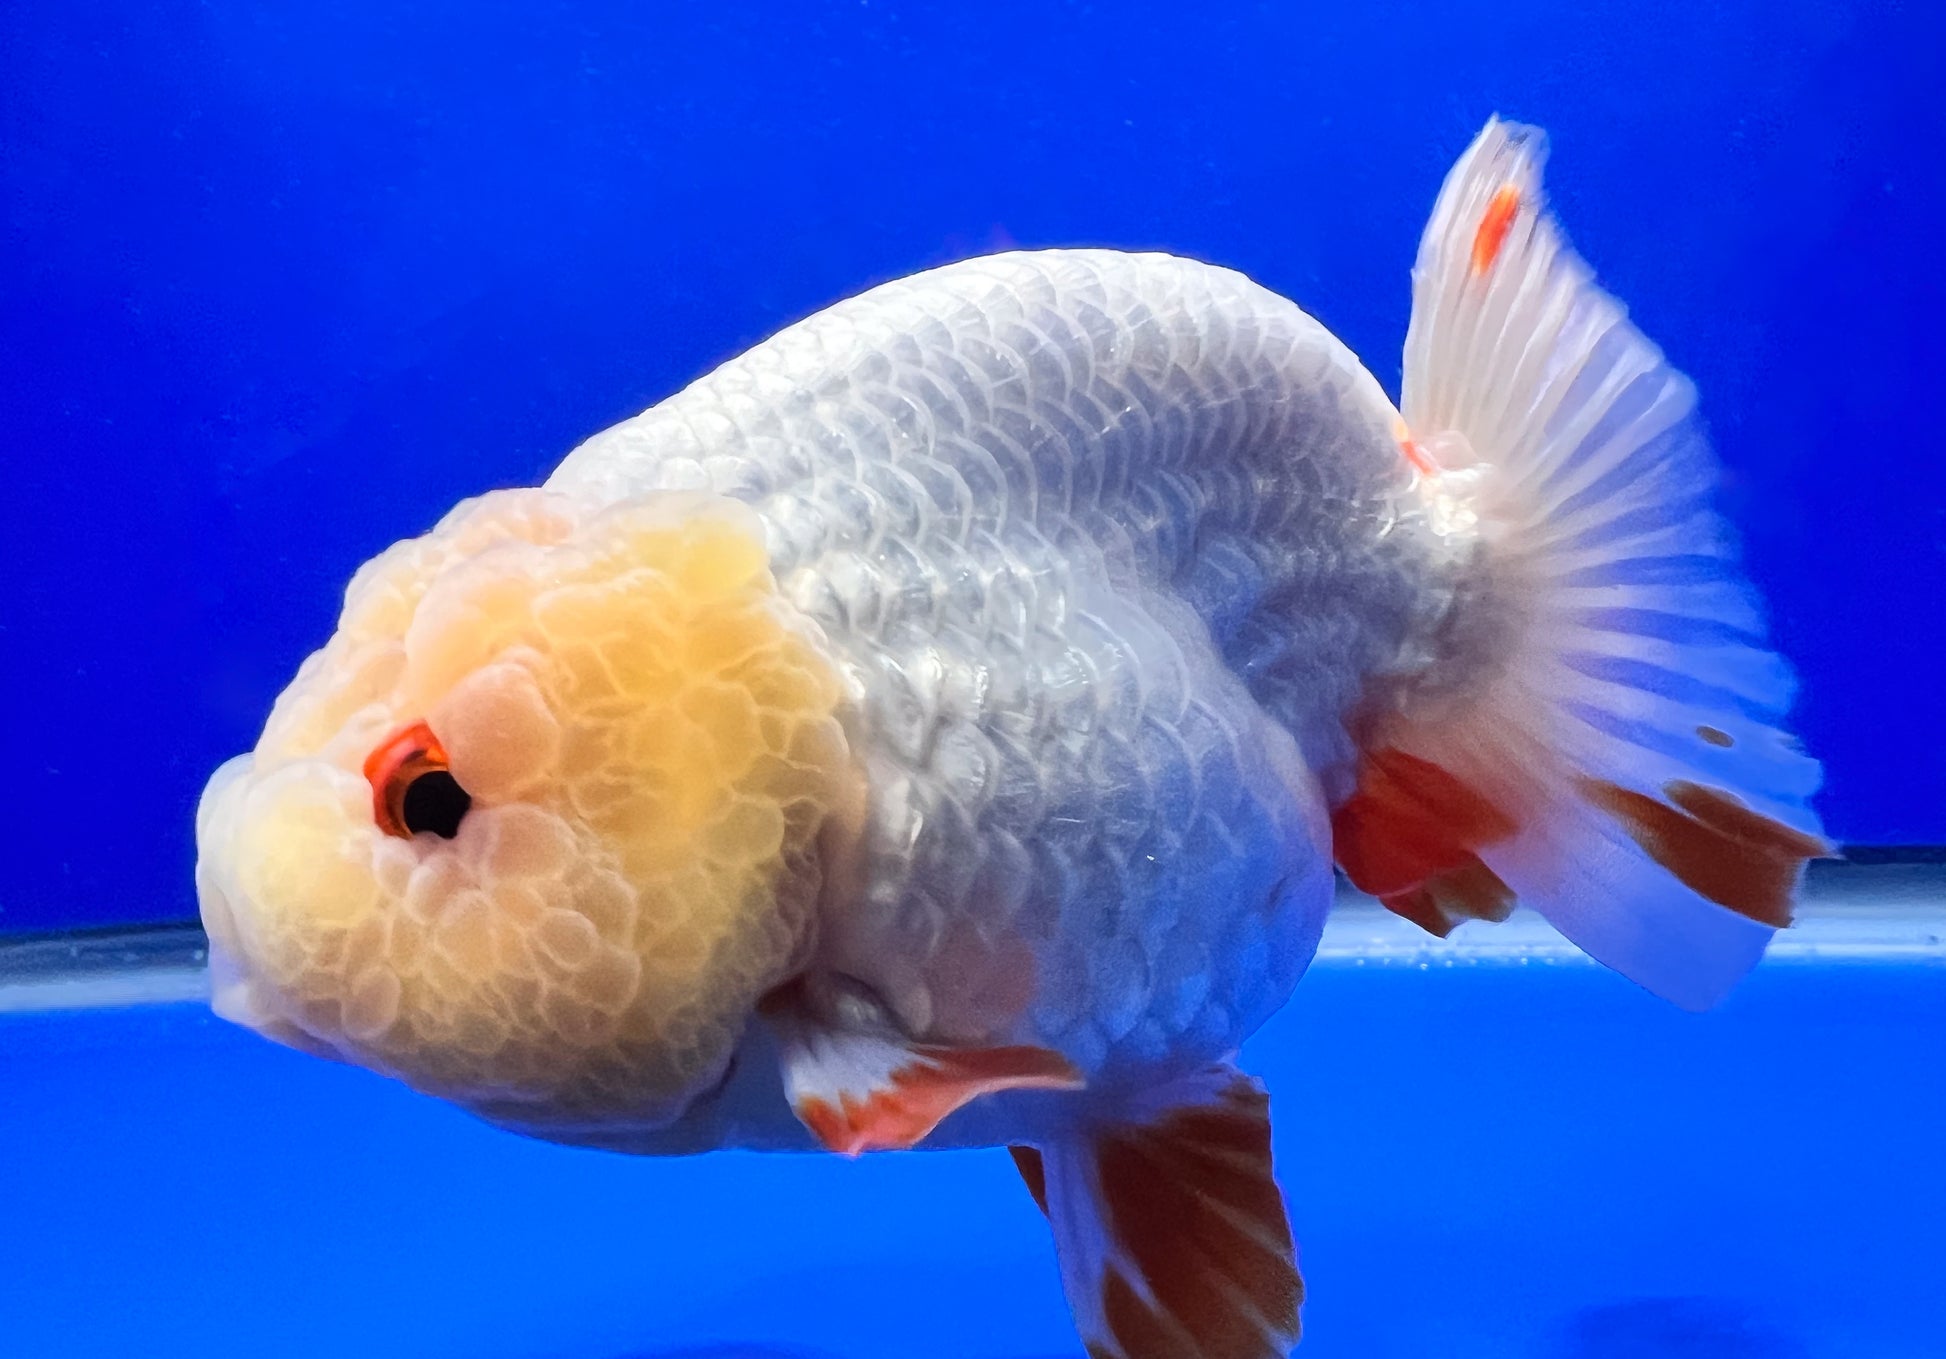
(828, 1124)
(1715, 845)
(1421, 460)
(923, 1092)
(1192, 1203)
(1409, 836)
(1468, 891)
(1027, 1160)
(1492, 231)
(1140, 1332)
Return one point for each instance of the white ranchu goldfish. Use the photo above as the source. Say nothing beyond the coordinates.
(938, 726)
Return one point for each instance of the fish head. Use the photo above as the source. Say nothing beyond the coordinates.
(539, 826)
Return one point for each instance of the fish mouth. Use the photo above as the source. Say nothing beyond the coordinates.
(233, 994)
(225, 778)
(230, 992)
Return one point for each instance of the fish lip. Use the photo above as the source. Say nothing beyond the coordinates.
(222, 780)
(235, 998)
(231, 997)
(234, 995)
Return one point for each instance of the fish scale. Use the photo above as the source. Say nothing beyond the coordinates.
(1098, 541)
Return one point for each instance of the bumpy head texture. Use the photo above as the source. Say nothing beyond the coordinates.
(644, 745)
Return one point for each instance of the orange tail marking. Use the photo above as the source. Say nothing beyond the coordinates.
(1492, 232)
(1420, 460)
(1719, 848)
(1409, 836)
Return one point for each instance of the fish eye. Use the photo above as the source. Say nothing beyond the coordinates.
(434, 803)
(413, 788)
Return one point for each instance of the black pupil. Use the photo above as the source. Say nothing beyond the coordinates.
(435, 802)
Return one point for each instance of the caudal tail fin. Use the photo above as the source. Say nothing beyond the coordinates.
(1614, 754)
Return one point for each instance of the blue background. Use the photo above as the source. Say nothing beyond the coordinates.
(1482, 1162)
(279, 284)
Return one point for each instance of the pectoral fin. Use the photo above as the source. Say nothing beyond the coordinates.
(1171, 1234)
(863, 1091)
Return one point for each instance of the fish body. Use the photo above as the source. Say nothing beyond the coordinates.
(939, 725)
(1107, 547)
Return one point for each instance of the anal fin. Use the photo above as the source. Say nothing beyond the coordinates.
(1171, 1233)
(1410, 836)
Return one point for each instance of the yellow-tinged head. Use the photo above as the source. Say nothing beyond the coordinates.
(539, 826)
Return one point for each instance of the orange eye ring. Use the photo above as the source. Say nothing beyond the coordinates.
(399, 766)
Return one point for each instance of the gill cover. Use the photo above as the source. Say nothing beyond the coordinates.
(646, 741)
